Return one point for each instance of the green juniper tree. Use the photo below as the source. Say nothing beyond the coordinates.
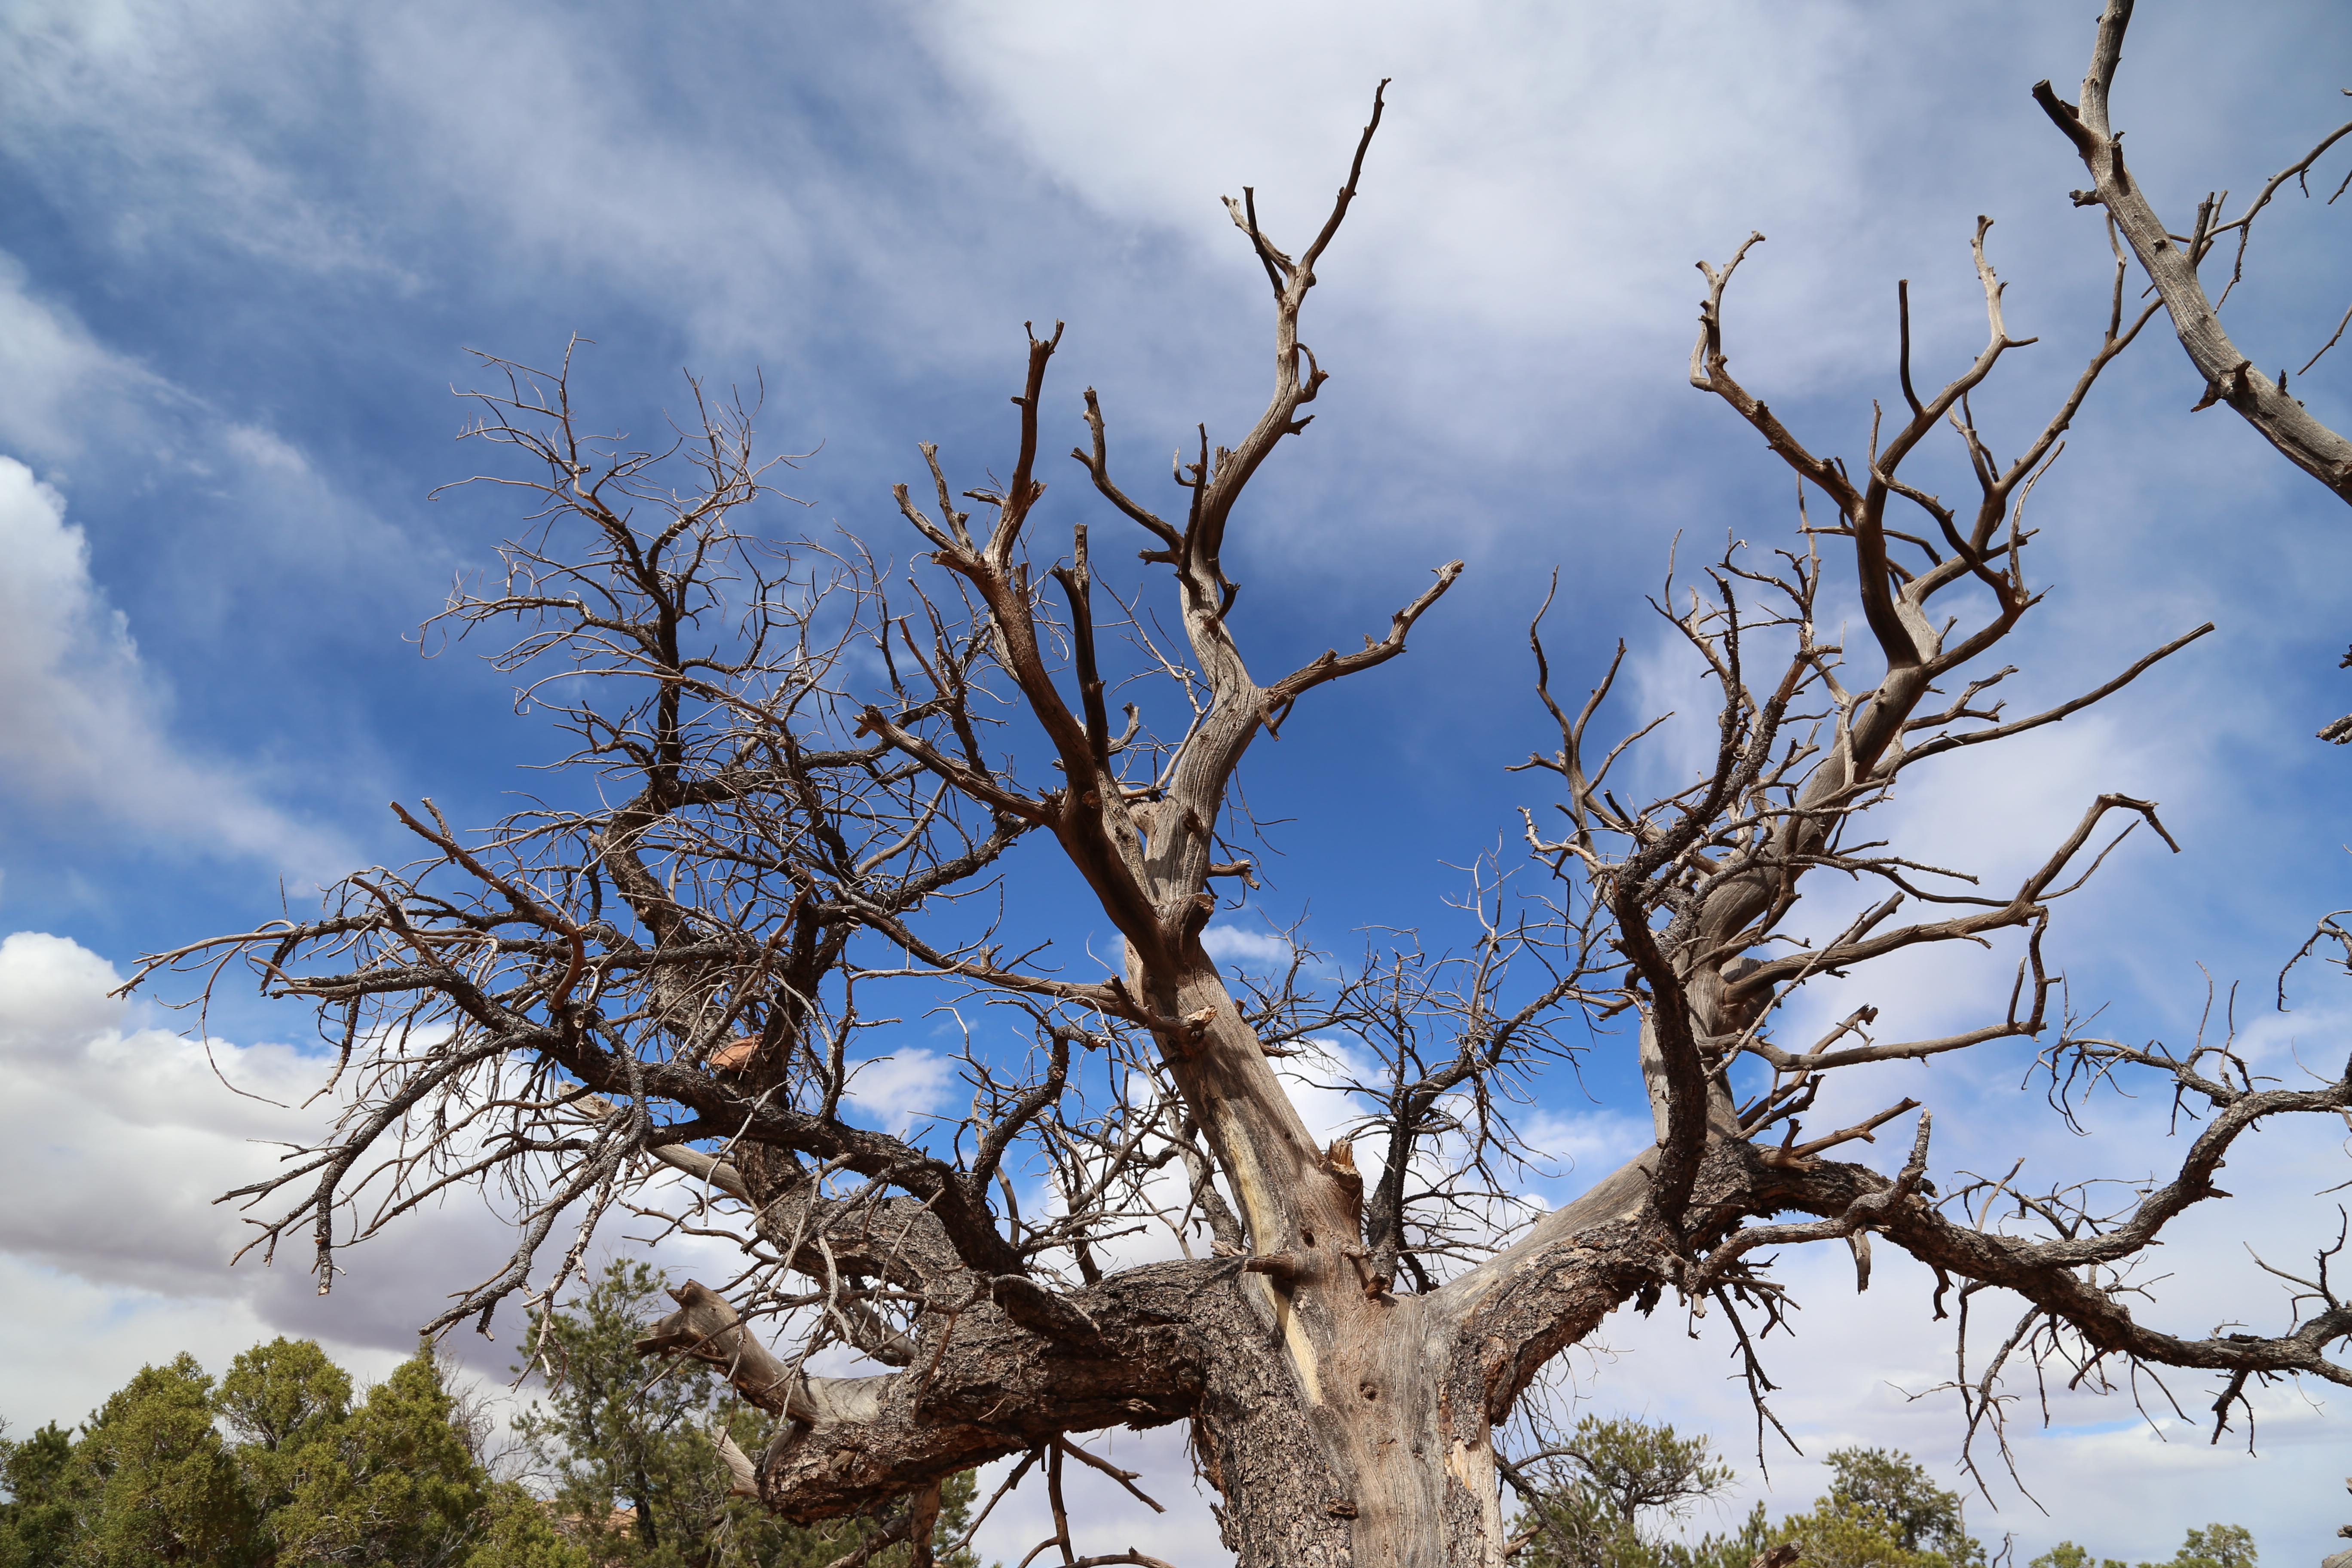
(151, 1479)
(625, 1461)
(2066, 1554)
(1839, 1532)
(1923, 1518)
(1613, 1483)
(278, 1467)
(1623, 1477)
(1637, 1467)
(37, 1522)
(275, 1468)
(395, 1483)
(630, 1448)
(2215, 1546)
(277, 1401)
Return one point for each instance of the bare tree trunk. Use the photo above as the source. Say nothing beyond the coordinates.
(1382, 1459)
(1335, 1421)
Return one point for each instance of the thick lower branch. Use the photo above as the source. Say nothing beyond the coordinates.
(987, 1387)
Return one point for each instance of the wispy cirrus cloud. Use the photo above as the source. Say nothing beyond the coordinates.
(84, 724)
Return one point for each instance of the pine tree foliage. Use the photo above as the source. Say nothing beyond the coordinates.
(629, 1448)
(393, 1484)
(277, 1401)
(1621, 1482)
(36, 1524)
(283, 1465)
(2066, 1554)
(274, 1468)
(152, 1481)
(2215, 1546)
(1623, 1478)
(1639, 1468)
(1892, 1491)
(1839, 1532)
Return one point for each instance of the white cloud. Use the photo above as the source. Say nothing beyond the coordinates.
(79, 65)
(2108, 1481)
(1252, 952)
(54, 377)
(83, 723)
(894, 1090)
(92, 1338)
(122, 1135)
(265, 449)
(1523, 150)
(1581, 1147)
(203, 123)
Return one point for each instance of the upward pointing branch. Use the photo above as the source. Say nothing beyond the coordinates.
(2230, 375)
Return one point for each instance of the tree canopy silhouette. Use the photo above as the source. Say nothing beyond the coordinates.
(799, 781)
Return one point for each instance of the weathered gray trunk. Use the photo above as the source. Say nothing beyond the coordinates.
(1373, 1452)
(1341, 1424)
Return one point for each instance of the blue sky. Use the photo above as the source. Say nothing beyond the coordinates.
(243, 250)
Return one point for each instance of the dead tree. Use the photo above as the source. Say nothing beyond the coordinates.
(2172, 262)
(790, 799)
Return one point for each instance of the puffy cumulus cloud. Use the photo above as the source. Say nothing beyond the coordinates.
(1252, 951)
(125, 1134)
(132, 1134)
(894, 1091)
(82, 722)
(92, 1338)
(121, 1136)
